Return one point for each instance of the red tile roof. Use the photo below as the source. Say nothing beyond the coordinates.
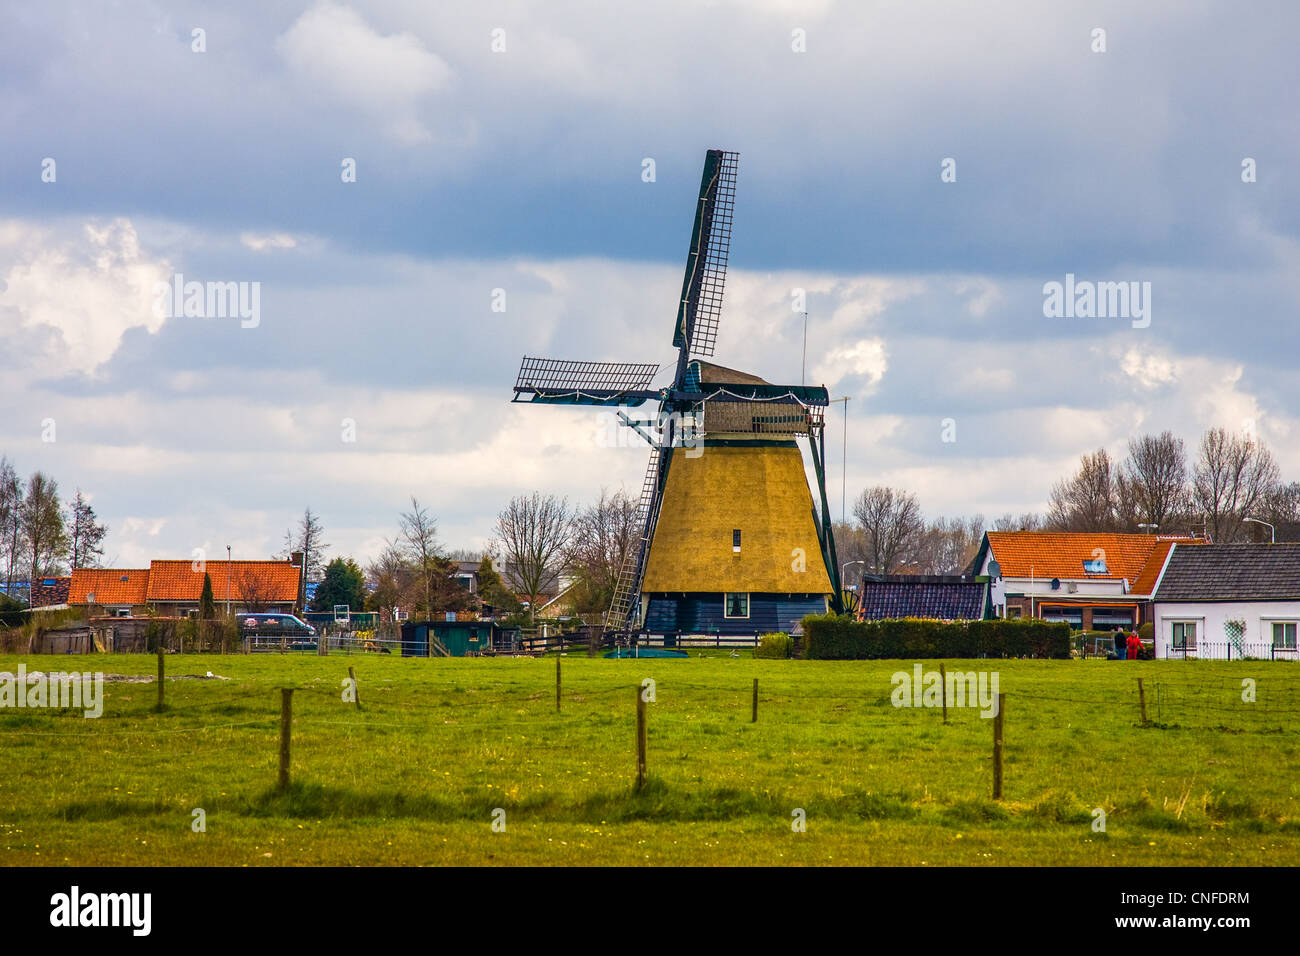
(178, 581)
(1061, 554)
(109, 586)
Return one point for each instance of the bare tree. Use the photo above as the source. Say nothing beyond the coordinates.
(392, 581)
(1028, 521)
(534, 532)
(11, 500)
(420, 544)
(948, 545)
(1087, 501)
(891, 521)
(1154, 477)
(86, 534)
(43, 531)
(1234, 476)
(254, 591)
(604, 537)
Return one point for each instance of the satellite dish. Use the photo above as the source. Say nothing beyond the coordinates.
(995, 569)
(1056, 584)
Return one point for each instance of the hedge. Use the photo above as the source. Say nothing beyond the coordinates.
(831, 637)
(777, 646)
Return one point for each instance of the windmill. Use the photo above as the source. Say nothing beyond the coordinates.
(724, 460)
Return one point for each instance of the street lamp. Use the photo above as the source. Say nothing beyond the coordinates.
(1153, 527)
(845, 565)
(1272, 532)
(227, 580)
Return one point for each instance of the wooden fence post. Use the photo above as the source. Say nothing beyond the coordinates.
(640, 739)
(356, 691)
(997, 746)
(557, 683)
(286, 718)
(754, 720)
(1142, 701)
(160, 678)
(943, 690)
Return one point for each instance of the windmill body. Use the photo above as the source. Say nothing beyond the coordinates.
(730, 542)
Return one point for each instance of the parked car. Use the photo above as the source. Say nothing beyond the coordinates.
(272, 628)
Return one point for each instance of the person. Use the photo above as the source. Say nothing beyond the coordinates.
(1121, 645)
(1134, 643)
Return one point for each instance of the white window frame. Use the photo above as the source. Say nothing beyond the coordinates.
(1196, 622)
(1295, 625)
(726, 606)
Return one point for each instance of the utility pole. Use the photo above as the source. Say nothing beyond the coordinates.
(227, 580)
(803, 363)
(845, 457)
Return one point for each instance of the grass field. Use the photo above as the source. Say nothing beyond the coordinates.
(414, 775)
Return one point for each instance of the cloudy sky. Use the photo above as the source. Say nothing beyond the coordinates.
(502, 146)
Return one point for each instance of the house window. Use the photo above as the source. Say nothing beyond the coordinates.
(121, 612)
(735, 544)
(1284, 635)
(192, 613)
(1184, 635)
(735, 605)
(1015, 610)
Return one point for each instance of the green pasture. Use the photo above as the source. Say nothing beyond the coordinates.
(417, 773)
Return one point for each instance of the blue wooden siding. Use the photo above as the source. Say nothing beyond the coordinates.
(703, 613)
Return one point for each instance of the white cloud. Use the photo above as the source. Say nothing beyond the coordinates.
(332, 52)
(90, 286)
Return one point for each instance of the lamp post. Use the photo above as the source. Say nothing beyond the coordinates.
(227, 580)
(1272, 532)
(1152, 527)
(845, 565)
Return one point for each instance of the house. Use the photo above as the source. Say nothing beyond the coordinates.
(110, 592)
(942, 597)
(1229, 601)
(49, 592)
(1093, 581)
(173, 588)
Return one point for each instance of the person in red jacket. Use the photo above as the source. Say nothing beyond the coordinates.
(1134, 643)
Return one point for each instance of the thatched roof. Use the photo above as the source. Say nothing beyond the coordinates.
(760, 489)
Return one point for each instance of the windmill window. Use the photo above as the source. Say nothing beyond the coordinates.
(735, 540)
(735, 604)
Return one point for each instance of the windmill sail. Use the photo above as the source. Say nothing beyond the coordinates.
(700, 309)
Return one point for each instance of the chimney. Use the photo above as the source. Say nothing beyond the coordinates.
(296, 559)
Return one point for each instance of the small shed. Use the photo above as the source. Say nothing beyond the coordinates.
(453, 638)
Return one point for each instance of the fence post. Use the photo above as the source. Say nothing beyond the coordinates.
(755, 718)
(997, 746)
(640, 739)
(557, 683)
(356, 691)
(943, 685)
(160, 678)
(1142, 702)
(286, 718)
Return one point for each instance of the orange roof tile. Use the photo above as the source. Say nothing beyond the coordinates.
(109, 586)
(1060, 554)
(178, 581)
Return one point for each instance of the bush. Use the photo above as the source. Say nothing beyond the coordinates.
(832, 637)
(776, 646)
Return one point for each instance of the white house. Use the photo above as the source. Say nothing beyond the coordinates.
(1228, 601)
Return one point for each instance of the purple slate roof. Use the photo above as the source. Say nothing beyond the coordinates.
(944, 598)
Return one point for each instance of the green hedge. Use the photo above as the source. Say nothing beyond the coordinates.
(830, 637)
(777, 646)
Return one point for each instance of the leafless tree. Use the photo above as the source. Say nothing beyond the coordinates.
(534, 533)
(1234, 476)
(392, 580)
(254, 591)
(1155, 478)
(11, 499)
(1028, 521)
(948, 545)
(604, 537)
(1087, 501)
(420, 544)
(891, 521)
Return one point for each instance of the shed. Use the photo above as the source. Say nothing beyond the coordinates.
(452, 638)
